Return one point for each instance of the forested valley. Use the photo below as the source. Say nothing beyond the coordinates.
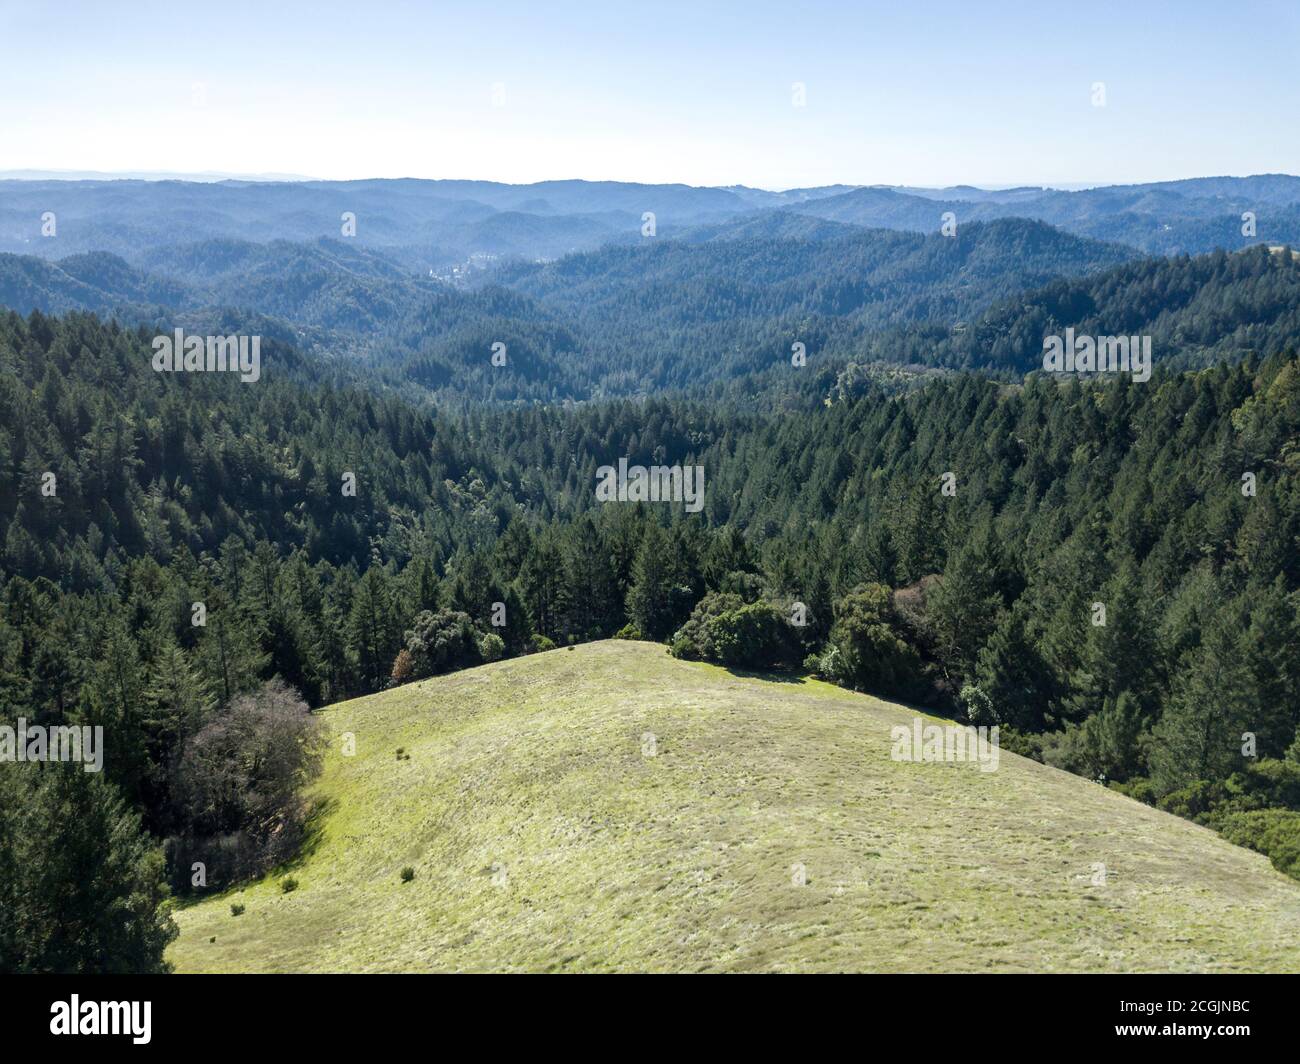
(194, 563)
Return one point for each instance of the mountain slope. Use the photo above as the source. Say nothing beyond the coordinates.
(722, 304)
(542, 838)
(1196, 310)
(95, 281)
(1174, 217)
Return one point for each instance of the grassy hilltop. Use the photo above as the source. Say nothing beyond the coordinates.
(544, 839)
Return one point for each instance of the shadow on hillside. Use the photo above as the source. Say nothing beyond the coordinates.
(797, 679)
(802, 680)
(313, 831)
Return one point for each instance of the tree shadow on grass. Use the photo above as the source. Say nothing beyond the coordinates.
(773, 676)
(800, 679)
(313, 832)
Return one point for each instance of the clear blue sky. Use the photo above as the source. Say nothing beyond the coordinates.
(699, 92)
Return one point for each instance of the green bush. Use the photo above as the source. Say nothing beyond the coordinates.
(1194, 800)
(1106, 745)
(865, 651)
(288, 884)
(725, 628)
(1274, 832)
(1140, 790)
(236, 909)
(408, 874)
(491, 647)
(442, 641)
(756, 636)
(694, 640)
(1273, 781)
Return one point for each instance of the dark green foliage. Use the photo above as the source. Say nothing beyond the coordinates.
(442, 641)
(866, 651)
(651, 604)
(81, 885)
(726, 629)
(175, 490)
(1275, 832)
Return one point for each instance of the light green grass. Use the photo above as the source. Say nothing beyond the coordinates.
(682, 861)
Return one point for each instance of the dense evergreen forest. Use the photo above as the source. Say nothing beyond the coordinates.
(720, 311)
(1108, 570)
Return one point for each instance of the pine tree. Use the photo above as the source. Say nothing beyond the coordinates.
(591, 586)
(1199, 736)
(372, 628)
(649, 600)
(85, 892)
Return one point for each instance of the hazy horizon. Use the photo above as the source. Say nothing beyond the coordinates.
(210, 177)
(757, 94)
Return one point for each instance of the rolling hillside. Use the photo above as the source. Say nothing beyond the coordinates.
(1163, 218)
(544, 838)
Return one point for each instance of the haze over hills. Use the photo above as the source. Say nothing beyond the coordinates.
(439, 224)
(1171, 217)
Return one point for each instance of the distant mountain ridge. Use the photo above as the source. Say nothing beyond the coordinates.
(1175, 217)
(438, 224)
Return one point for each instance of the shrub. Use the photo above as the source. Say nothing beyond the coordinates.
(239, 786)
(1106, 745)
(978, 705)
(629, 631)
(1141, 790)
(1194, 800)
(725, 628)
(1276, 782)
(1274, 832)
(491, 647)
(236, 909)
(408, 874)
(442, 641)
(756, 636)
(542, 643)
(288, 884)
(403, 666)
(870, 655)
(694, 640)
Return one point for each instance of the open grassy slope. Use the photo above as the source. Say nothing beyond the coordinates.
(607, 859)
